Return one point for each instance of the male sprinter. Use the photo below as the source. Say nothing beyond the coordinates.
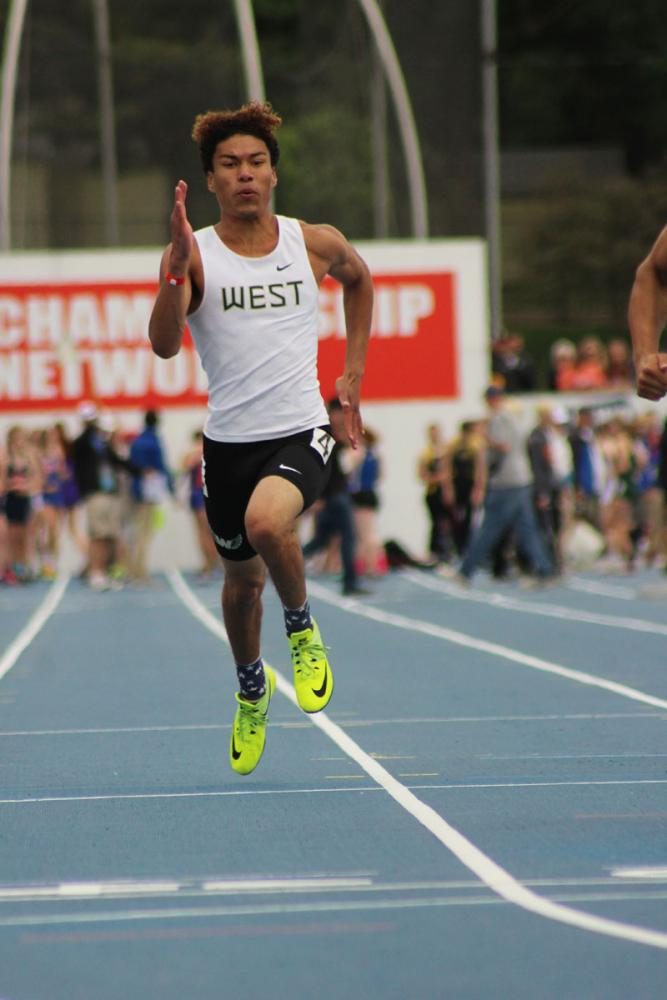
(248, 289)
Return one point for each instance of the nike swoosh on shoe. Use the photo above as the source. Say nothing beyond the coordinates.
(322, 690)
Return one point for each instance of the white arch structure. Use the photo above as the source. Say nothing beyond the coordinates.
(406, 121)
(10, 58)
(255, 90)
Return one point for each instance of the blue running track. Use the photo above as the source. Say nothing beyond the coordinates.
(480, 813)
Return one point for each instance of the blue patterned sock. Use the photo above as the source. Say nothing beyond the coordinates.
(252, 681)
(298, 619)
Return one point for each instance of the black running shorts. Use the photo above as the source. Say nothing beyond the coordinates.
(18, 507)
(231, 472)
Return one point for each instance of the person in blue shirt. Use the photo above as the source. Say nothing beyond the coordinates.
(363, 485)
(151, 484)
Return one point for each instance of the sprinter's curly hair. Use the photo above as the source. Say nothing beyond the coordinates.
(255, 118)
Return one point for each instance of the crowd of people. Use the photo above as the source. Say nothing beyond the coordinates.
(588, 364)
(104, 487)
(589, 484)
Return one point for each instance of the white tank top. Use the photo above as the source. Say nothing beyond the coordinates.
(256, 334)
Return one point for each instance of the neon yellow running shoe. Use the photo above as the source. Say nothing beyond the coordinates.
(313, 680)
(249, 730)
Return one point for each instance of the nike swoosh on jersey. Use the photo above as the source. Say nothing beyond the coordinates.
(283, 267)
(290, 468)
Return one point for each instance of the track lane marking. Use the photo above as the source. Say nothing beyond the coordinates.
(601, 589)
(34, 625)
(462, 786)
(492, 648)
(543, 609)
(487, 870)
(276, 724)
(157, 913)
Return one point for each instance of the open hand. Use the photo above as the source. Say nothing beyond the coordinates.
(181, 232)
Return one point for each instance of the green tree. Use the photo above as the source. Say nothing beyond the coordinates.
(588, 72)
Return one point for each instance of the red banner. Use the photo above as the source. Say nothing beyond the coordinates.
(64, 342)
(413, 349)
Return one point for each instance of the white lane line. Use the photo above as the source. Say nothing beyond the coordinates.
(568, 756)
(658, 873)
(410, 721)
(602, 589)
(103, 731)
(261, 909)
(128, 888)
(359, 885)
(329, 906)
(462, 786)
(544, 784)
(345, 777)
(492, 648)
(131, 730)
(195, 606)
(544, 610)
(39, 618)
(287, 885)
(447, 720)
(492, 874)
(147, 796)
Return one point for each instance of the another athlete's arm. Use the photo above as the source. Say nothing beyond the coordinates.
(331, 254)
(173, 300)
(647, 316)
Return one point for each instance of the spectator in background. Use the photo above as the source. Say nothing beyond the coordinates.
(71, 509)
(662, 481)
(6, 573)
(464, 481)
(151, 484)
(511, 363)
(23, 481)
(120, 440)
(430, 471)
(589, 371)
(49, 518)
(563, 465)
(191, 467)
(363, 484)
(333, 512)
(97, 466)
(651, 499)
(562, 359)
(620, 372)
(588, 469)
(508, 502)
(545, 457)
(625, 457)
